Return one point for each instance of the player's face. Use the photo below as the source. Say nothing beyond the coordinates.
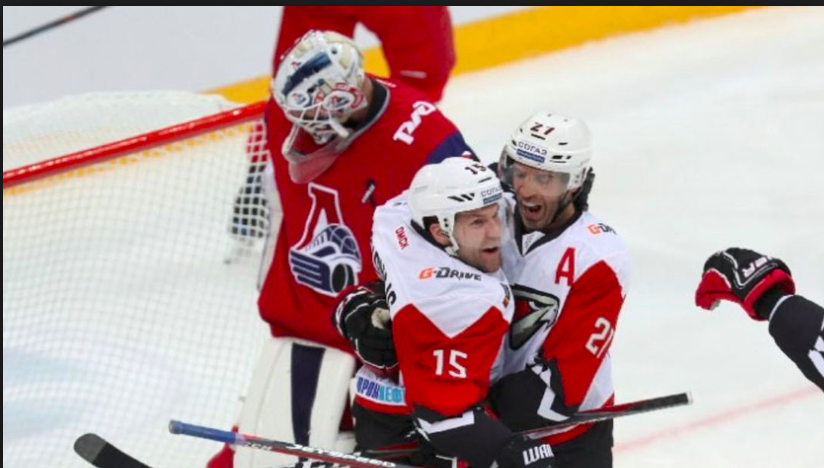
(478, 233)
(539, 194)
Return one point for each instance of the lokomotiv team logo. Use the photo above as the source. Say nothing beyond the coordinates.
(326, 258)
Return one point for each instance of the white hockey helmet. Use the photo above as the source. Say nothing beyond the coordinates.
(551, 142)
(319, 83)
(455, 185)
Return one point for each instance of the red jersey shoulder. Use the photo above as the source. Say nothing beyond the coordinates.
(411, 120)
(586, 243)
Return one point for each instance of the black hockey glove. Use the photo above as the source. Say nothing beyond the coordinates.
(522, 452)
(742, 276)
(362, 317)
(426, 456)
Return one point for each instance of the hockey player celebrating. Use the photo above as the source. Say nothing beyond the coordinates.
(437, 247)
(345, 142)
(569, 274)
(763, 287)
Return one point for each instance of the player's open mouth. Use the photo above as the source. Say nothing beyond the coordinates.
(490, 250)
(529, 210)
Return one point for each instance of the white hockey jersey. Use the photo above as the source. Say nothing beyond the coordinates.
(569, 287)
(449, 319)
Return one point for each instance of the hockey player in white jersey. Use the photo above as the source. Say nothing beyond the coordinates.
(569, 274)
(437, 248)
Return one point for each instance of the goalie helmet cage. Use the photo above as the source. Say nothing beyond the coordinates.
(119, 311)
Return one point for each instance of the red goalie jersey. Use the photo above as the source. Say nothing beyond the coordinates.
(323, 244)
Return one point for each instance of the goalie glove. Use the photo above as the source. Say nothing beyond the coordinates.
(362, 317)
(741, 276)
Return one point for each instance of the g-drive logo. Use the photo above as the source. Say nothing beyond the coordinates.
(446, 273)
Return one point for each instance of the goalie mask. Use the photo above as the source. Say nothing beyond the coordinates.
(318, 84)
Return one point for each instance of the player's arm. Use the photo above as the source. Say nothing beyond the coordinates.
(572, 357)
(296, 20)
(764, 288)
(797, 326)
(417, 43)
(447, 377)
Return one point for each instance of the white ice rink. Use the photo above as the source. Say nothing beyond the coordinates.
(707, 135)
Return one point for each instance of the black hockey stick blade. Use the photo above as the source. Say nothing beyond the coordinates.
(100, 453)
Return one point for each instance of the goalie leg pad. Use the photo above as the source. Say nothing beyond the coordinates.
(298, 393)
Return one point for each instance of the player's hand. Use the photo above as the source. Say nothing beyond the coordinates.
(362, 317)
(741, 276)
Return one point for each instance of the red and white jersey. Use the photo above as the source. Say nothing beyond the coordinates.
(569, 287)
(323, 242)
(449, 320)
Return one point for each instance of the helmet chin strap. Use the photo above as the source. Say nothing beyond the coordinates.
(452, 248)
(566, 200)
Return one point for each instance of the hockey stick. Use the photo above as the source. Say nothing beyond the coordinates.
(234, 438)
(591, 416)
(355, 460)
(103, 454)
(617, 411)
(51, 24)
(100, 453)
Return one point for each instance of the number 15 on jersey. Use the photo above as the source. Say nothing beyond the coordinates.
(455, 367)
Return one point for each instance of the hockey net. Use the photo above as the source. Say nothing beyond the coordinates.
(125, 302)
